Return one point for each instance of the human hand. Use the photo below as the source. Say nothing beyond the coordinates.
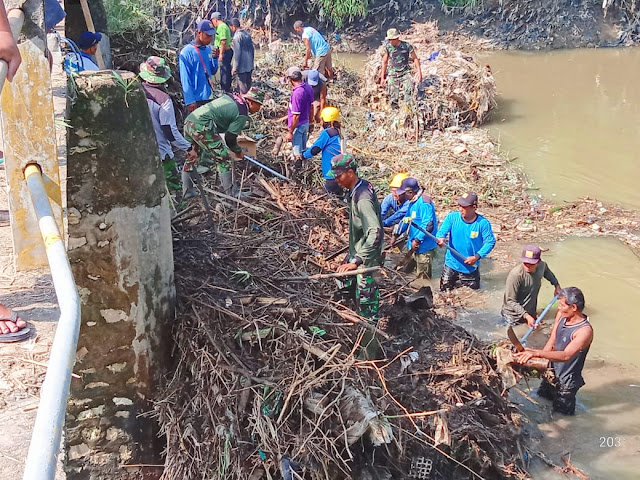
(346, 267)
(192, 155)
(419, 78)
(524, 357)
(471, 260)
(531, 320)
(289, 137)
(557, 290)
(440, 242)
(191, 107)
(239, 154)
(9, 53)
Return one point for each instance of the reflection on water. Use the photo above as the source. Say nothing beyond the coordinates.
(571, 117)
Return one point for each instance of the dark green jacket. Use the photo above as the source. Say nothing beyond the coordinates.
(365, 226)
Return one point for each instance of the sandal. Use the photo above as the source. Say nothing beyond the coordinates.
(18, 336)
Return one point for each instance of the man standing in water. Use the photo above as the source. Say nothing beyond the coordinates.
(523, 284)
(567, 349)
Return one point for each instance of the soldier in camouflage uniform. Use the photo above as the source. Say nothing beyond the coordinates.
(398, 76)
(365, 233)
(227, 114)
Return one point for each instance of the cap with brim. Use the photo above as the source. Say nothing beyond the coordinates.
(408, 184)
(88, 39)
(531, 254)
(294, 72)
(340, 164)
(313, 78)
(468, 199)
(392, 34)
(216, 15)
(205, 26)
(155, 70)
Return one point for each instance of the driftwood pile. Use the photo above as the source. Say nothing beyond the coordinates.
(268, 382)
(455, 90)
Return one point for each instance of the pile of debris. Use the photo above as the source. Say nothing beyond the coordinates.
(268, 377)
(455, 90)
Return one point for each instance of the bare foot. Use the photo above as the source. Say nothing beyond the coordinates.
(6, 324)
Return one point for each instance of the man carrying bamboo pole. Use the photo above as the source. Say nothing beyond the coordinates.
(365, 234)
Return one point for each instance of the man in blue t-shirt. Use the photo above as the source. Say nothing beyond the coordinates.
(315, 45)
(472, 236)
(421, 213)
(197, 67)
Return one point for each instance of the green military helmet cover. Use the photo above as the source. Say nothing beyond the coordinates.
(155, 70)
(341, 163)
(255, 95)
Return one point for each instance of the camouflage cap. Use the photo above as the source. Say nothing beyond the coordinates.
(255, 95)
(340, 164)
(155, 70)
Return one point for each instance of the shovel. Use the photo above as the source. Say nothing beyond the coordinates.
(513, 338)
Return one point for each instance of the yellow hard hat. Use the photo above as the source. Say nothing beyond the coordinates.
(330, 114)
(397, 180)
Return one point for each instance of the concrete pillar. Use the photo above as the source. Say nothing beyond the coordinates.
(120, 250)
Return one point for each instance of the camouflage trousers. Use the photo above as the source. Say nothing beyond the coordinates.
(400, 88)
(212, 149)
(367, 294)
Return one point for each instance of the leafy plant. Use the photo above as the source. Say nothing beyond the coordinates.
(340, 10)
(127, 85)
(129, 15)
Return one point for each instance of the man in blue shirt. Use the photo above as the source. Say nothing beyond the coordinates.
(315, 45)
(197, 66)
(392, 210)
(472, 236)
(420, 212)
(88, 45)
(330, 144)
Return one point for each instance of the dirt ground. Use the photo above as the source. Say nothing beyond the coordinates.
(31, 294)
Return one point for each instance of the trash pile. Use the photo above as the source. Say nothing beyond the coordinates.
(268, 375)
(455, 90)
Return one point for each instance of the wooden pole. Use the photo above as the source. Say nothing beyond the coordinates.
(89, 21)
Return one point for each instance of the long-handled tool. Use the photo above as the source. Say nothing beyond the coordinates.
(456, 253)
(520, 344)
(264, 167)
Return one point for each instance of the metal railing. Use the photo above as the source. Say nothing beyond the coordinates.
(47, 431)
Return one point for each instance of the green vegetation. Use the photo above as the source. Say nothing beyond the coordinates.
(340, 10)
(460, 3)
(125, 16)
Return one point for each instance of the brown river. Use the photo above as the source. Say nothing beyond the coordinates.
(572, 120)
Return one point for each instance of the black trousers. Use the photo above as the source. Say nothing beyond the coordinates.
(450, 277)
(244, 82)
(225, 70)
(563, 397)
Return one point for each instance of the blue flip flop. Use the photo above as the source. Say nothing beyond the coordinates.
(18, 336)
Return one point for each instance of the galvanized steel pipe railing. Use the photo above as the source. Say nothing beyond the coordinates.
(47, 431)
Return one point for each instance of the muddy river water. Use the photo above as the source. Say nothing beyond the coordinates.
(571, 118)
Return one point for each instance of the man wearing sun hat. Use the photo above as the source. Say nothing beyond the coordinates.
(365, 233)
(154, 74)
(396, 55)
(523, 284)
(471, 235)
(227, 114)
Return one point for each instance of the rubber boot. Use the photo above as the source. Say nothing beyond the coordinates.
(187, 186)
(226, 181)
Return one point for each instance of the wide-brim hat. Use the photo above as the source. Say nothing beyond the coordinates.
(255, 95)
(392, 34)
(155, 70)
